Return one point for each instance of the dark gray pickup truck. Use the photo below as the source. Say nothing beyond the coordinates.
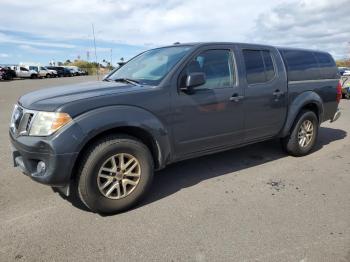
(104, 139)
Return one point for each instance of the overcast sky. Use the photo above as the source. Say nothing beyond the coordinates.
(39, 31)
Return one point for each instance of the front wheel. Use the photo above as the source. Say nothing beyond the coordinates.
(303, 134)
(115, 174)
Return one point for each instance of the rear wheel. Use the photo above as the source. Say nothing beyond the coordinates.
(115, 174)
(303, 134)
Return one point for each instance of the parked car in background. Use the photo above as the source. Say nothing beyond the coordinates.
(61, 71)
(76, 71)
(103, 140)
(23, 72)
(82, 72)
(344, 71)
(73, 71)
(345, 80)
(53, 73)
(6, 73)
(2, 73)
(42, 71)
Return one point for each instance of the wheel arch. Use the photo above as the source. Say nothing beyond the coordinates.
(138, 133)
(128, 120)
(308, 100)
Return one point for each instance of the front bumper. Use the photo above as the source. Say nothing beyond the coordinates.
(57, 152)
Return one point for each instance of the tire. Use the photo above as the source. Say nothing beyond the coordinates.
(33, 76)
(292, 144)
(91, 180)
(48, 76)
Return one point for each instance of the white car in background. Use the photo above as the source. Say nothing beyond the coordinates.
(23, 72)
(344, 71)
(52, 72)
(42, 71)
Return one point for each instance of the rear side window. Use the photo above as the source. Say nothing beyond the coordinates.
(328, 69)
(324, 59)
(301, 65)
(259, 66)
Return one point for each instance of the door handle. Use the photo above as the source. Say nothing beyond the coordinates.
(236, 98)
(278, 93)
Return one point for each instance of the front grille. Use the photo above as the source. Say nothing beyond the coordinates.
(25, 123)
(29, 121)
(21, 120)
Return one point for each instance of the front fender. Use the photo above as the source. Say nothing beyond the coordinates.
(99, 120)
(303, 99)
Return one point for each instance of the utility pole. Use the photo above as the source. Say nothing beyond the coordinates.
(111, 57)
(98, 65)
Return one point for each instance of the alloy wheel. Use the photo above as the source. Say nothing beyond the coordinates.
(305, 133)
(119, 176)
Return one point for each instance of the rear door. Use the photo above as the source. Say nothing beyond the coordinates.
(265, 92)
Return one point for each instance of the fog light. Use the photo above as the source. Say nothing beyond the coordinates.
(41, 168)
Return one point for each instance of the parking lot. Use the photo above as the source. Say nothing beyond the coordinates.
(248, 204)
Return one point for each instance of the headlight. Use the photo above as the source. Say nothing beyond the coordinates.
(46, 123)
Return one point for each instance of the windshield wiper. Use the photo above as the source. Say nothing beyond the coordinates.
(128, 80)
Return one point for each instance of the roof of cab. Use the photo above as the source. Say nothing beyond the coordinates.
(215, 43)
(252, 45)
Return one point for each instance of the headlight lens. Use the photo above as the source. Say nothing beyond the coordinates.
(46, 123)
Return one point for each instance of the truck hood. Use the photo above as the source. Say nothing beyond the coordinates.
(50, 99)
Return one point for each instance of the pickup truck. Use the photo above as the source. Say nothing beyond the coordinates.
(22, 72)
(103, 140)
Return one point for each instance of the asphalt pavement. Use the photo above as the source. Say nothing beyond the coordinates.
(249, 204)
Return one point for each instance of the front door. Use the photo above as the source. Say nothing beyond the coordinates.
(212, 116)
(23, 72)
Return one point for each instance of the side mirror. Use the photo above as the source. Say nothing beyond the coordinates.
(193, 80)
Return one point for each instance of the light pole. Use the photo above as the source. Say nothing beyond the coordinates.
(111, 57)
(98, 65)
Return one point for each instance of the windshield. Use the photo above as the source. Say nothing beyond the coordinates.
(151, 67)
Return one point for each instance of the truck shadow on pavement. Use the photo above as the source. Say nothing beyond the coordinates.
(191, 172)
